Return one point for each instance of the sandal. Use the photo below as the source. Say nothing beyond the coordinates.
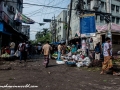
(116, 74)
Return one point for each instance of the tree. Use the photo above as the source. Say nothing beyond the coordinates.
(43, 36)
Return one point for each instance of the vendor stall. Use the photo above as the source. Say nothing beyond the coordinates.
(115, 30)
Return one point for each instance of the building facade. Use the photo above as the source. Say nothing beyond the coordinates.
(61, 26)
(9, 29)
(75, 20)
(92, 5)
(53, 29)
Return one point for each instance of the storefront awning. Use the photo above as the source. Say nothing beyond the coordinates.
(104, 28)
(5, 32)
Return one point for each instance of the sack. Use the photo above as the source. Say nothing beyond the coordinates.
(17, 53)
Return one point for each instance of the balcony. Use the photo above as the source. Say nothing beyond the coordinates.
(4, 17)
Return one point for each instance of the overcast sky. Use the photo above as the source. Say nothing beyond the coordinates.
(38, 13)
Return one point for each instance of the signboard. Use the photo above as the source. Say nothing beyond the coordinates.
(87, 25)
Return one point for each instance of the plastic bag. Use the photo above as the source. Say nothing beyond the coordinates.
(17, 53)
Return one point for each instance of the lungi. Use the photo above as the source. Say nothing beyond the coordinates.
(46, 60)
(107, 64)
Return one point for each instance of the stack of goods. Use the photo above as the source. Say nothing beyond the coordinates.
(6, 55)
(77, 59)
(54, 55)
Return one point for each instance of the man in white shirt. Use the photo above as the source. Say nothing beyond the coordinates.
(107, 64)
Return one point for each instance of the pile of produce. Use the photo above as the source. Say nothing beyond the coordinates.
(6, 55)
(54, 55)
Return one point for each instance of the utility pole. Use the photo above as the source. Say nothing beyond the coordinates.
(55, 27)
(52, 31)
(68, 28)
(108, 3)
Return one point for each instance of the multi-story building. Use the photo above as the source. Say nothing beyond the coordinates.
(9, 29)
(98, 5)
(75, 20)
(61, 26)
(53, 24)
(115, 10)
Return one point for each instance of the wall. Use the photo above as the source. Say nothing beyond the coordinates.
(75, 23)
(61, 21)
(6, 6)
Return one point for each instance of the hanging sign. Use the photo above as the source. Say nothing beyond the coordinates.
(87, 25)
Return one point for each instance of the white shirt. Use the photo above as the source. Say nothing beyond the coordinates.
(106, 47)
(39, 47)
(91, 46)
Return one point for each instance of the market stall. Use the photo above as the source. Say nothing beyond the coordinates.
(115, 30)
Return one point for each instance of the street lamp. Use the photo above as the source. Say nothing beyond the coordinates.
(41, 24)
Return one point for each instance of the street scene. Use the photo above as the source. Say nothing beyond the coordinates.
(60, 44)
(61, 77)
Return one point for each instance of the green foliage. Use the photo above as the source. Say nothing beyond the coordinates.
(43, 36)
(33, 42)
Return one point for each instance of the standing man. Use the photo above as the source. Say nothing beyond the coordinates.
(46, 51)
(97, 51)
(107, 64)
(39, 47)
(12, 48)
(59, 52)
(78, 45)
(23, 51)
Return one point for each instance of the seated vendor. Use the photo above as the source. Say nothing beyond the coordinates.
(3, 50)
(7, 50)
(73, 49)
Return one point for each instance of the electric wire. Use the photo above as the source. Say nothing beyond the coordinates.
(39, 10)
(40, 5)
(49, 12)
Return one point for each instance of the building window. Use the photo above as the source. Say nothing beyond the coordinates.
(59, 37)
(60, 19)
(60, 28)
(96, 17)
(101, 18)
(117, 8)
(105, 6)
(58, 22)
(102, 4)
(117, 20)
(113, 7)
(113, 19)
(68, 13)
(5, 3)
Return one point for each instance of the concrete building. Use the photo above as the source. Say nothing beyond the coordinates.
(98, 5)
(9, 29)
(53, 29)
(61, 26)
(75, 21)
